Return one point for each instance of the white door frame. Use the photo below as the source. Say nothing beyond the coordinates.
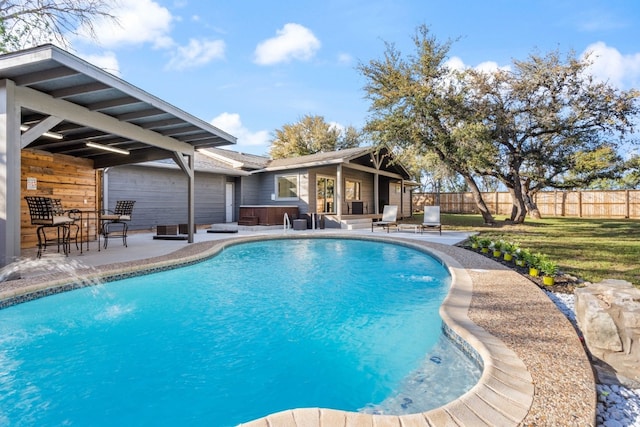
(228, 202)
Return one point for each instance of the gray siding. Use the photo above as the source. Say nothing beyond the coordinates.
(161, 195)
(266, 188)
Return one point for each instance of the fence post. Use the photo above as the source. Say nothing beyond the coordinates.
(628, 205)
(579, 204)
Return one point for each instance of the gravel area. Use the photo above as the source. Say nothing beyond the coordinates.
(618, 406)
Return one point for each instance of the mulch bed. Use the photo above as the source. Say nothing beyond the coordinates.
(564, 283)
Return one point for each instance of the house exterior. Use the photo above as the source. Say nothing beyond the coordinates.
(159, 191)
(341, 187)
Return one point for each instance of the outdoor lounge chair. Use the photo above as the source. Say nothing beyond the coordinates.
(119, 217)
(43, 214)
(389, 218)
(431, 218)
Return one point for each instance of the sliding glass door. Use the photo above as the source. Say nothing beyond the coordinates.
(325, 189)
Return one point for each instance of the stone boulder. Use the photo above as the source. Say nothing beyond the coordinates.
(608, 314)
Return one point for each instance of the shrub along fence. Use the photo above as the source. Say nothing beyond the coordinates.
(583, 204)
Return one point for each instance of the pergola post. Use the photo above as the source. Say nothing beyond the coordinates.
(9, 180)
(188, 167)
(338, 191)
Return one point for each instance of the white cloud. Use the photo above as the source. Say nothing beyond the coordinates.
(107, 61)
(610, 65)
(196, 53)
(139, 21)
(254, 142)
(293, 41)
(455, 63)
(345, 58)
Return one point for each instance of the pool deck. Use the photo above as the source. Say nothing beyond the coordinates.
(536, 372)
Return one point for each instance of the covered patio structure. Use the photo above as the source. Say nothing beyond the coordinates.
(54, 102)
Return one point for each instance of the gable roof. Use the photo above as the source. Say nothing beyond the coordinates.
(362, 156)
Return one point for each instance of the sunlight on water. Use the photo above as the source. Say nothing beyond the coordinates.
(115, 312)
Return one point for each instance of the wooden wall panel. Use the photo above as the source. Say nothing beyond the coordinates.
(70, 179)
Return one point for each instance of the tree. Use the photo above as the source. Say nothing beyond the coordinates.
(529, 128)
(311, 135)
(550, 125)
(27, 23)
(416, 103)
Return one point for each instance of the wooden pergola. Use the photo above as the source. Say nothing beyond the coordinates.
(53, 101)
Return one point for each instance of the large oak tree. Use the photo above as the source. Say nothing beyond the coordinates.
(544, 123)
(549, 124)
(417, 105)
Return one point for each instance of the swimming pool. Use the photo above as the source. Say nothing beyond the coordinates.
(204, 344)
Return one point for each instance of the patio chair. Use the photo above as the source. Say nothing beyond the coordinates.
(43, 214)
(118, 219)
(389, 218)
(74, 228)
(431, 218)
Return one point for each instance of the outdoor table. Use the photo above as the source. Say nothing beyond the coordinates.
(84, 216)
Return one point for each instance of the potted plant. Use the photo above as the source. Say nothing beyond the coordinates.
(475, 241)
(549, 270)
(521, 256)
(533, 261)
(497, 248)
(508, 250)
(484, 244)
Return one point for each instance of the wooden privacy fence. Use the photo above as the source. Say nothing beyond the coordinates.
(587, 204)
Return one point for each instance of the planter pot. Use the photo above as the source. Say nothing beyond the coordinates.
(484, 250)
(548, 280)
(534, 272)
(508, 257)
(497, 254)
(520, 263)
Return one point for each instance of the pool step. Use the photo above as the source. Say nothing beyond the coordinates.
(355, 223)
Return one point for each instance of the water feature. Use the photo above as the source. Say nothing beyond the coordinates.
(259, 328)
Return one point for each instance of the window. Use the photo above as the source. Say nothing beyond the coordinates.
(286, 187)
(352, 190)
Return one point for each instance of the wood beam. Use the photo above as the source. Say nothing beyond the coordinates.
(37, 101)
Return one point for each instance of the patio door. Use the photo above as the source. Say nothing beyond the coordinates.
(228, 202)
(325, 190)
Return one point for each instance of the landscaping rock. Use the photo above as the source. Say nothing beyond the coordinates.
(608, 314)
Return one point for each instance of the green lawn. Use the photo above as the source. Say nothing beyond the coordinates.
(592, 249)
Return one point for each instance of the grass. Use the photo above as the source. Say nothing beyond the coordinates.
(589, 248)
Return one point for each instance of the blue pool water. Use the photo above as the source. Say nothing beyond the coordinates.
(259, 328)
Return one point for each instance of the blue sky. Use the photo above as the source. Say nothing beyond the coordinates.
(250, 67)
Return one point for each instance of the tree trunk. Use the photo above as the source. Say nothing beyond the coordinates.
(532, 207)
(477, 197)
(519, 211)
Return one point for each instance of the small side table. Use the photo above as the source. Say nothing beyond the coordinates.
(299, 224)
